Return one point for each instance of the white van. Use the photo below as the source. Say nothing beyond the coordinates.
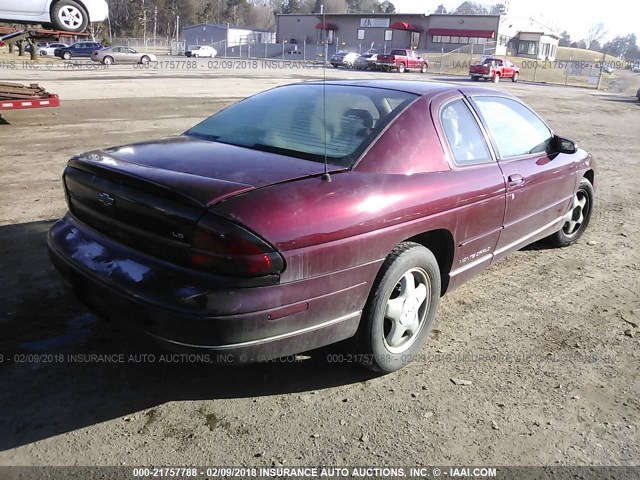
(201, 51)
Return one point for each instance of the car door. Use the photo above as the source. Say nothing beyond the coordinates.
(479, 184)
(23, 8)
(539, 183)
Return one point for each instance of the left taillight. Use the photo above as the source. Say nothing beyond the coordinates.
(223, 247)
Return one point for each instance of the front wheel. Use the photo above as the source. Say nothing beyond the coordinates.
(145, 60)
(66, 56)
(69, 16)
(496, 78)
(424, 68)
(577, 218)
(515, 77)
(400, 310)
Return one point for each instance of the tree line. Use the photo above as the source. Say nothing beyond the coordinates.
(159, 18)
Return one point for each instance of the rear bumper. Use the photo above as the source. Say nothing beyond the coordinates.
(185, 312)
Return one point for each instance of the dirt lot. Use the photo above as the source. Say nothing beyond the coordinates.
(541, 335)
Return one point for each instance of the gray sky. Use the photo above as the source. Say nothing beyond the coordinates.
(575, 16)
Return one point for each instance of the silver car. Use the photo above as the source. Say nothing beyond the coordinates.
(110, 55)
(68, 15)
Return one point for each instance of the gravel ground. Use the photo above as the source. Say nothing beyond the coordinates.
(547, 340)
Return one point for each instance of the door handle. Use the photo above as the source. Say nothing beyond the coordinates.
(515, 180)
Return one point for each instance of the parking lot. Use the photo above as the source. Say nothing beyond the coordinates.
(548, 339)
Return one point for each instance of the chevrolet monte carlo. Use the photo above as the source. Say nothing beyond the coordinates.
(315, 213)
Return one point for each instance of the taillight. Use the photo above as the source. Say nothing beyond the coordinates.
(221, 246)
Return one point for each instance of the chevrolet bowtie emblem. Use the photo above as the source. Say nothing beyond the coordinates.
(106, 199)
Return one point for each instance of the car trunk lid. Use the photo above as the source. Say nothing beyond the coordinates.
(151, 195)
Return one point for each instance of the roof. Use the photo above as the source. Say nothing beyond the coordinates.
(225, 26)
(410, 86)
(546, 34)
(416, 87)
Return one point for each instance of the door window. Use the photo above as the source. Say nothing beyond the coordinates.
(515, 129)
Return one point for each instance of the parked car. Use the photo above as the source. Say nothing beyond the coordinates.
(337, 59)
(635, 69)
(68, 15)
(45, 49)
(197, 51)
(265, 230)
(607, 69)
(79, 49)
(402, 60)
(638, 94)
(367, 61)
(494, 69)
(110, 55)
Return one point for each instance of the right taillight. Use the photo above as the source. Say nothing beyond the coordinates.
(223, 247)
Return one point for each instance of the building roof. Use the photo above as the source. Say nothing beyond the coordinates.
(225, 26)
(547, 34)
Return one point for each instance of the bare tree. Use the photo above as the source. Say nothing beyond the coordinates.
(596, 33)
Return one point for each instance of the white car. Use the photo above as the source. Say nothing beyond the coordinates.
(46, 49)
(197, 51)
(67, 15)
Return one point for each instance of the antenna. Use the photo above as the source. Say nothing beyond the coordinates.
(325, 176)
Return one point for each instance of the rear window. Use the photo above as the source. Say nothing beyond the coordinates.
(307, 121)
(399, 52)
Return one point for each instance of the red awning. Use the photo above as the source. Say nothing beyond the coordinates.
(406, 26)
(326, 26)
(463, 33)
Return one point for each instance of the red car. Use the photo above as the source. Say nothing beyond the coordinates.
(494, 69)
(315, 213)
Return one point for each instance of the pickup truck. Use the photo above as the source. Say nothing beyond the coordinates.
(494, 69)
(402, 60)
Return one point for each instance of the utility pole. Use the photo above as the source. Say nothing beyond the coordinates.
(604, 59)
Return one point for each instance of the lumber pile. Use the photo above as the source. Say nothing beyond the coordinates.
(17, 91)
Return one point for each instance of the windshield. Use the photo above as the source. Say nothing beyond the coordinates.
(291, 121)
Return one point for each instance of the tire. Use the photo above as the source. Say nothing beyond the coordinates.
(496, 79)
(424, 68)
(69, 16)
(402, 68)
(66, 56)
(107, 60)
(409, 285)
(145, 60)
(43, 53)
(514, 79)
(577, 218)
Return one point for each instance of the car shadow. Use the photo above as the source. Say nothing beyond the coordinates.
(61, 369)
(621, 99)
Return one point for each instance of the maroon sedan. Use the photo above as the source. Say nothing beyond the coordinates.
(315, 213)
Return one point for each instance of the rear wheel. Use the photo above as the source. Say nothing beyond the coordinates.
(577, 218)
(402, 68)
(496, 78)
(107, 60)
(69, 16)
(400, 310)
(145, 60)
(424, 68)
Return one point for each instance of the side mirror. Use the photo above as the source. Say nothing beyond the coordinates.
(564, 145)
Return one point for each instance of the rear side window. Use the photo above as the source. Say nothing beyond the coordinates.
(515, 129)
(463, 134)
